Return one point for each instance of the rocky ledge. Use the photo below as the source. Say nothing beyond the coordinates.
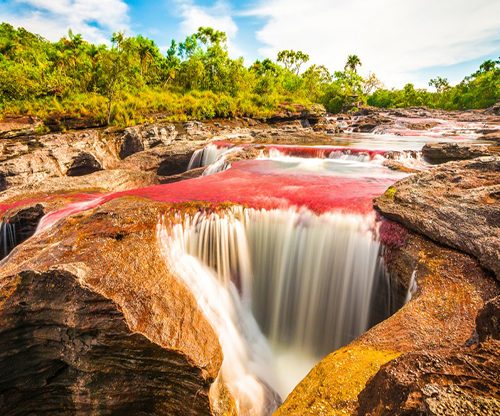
(437, 153)
(87, 324)
(456, 204)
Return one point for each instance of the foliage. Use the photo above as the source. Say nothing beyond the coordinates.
(479, 90)
(131, 80)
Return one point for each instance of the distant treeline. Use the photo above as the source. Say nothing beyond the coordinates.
(131, 80)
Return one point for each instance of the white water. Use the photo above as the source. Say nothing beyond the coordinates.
(205, 156)
(307, 278)
(213, 158)
(247, 358)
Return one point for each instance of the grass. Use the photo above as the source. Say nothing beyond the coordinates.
(147, 105)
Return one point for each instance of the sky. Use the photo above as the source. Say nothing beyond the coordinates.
(399, 40)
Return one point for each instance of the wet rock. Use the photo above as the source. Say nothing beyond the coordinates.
(456, 204)
(101, 181)
(445, 152)
(92, 321)
(457, 381)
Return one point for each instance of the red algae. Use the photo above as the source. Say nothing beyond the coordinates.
(7, 206)
(323, 151)
(256, 184)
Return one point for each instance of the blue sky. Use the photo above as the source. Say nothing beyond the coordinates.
(400, 41)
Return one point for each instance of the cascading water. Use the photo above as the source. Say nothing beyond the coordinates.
(213, 157)
(205, 156)
(7, 238)
(246, 367)
(307, 278)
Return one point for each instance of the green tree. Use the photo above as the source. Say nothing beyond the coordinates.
(292, 60)
(352, 63)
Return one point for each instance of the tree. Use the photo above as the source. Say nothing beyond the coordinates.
(441, 84)
(352, 63)
(115, 64)
(292, 60)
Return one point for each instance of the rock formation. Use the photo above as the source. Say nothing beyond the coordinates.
(87, 323)
(456, 204)
(446, 152)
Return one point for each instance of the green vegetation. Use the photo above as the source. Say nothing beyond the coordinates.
(479, 90)
(131, 81)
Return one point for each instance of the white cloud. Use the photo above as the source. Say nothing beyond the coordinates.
(94, 19)
(393, 38)
(217, 16)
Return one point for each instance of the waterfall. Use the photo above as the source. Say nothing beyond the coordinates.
(247, 364)
(7, 238)
(213, 157)
(307, 278)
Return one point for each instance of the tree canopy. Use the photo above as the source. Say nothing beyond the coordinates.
(130, 79)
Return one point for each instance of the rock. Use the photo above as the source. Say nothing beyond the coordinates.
(445, 382)
(446, 152)
(11, 127)
(494, 109)
(488, 321)
(457, 381)
(63, 123)
(83, 164)
(111, 180)
(460, 203)
(144, 137)
(92, 321)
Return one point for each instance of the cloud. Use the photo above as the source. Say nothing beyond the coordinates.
(94, 19)
(393, 38)
(218, 16)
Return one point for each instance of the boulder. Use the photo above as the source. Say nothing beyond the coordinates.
(447, 382)
(445, 152)
(92, 321)
(441, 383)
(456, 204)
(83, 164)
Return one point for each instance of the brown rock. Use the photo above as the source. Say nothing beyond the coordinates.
(92, 321)
(445, 383)
(446, 152)
(488, 321)
(456, 204)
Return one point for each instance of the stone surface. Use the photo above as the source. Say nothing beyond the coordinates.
(456, 204)
(443, 382)
(86, 325)
(446, 152)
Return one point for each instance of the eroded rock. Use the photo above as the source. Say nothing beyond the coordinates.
(446, 152)
(92, 321)
(456, 204)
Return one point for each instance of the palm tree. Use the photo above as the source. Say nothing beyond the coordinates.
(353, 61)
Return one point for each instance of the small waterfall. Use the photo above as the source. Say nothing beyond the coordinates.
(412, 287)
(205, 156)
(213, 157)
(308, 279)
(7, 238)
